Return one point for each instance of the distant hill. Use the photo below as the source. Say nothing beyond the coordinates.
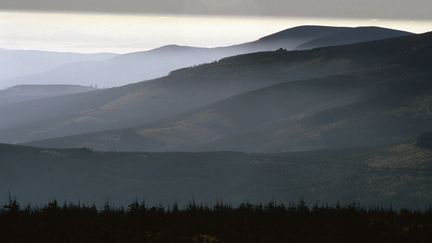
(139, 66)
(21, 93)
(19, 63)
(397, 175)
(371, 79)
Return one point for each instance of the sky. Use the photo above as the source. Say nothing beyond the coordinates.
(136, 25)
(394, 9)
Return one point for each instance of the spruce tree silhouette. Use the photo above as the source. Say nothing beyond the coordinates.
(271, 222)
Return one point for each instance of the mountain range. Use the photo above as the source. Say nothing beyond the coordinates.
(269, 102)
(134, 67)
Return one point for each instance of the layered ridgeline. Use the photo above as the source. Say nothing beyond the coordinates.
(139, 66)
(365, 94)
(22, 93)
(397, 175)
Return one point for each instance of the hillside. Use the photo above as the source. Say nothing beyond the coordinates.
(21, 93)
(139, 66)
(384, 99)
(398, 175)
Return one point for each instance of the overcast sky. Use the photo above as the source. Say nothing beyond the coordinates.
(393, 9)
(134, 25)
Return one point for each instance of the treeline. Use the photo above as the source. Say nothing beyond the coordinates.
(272, 222)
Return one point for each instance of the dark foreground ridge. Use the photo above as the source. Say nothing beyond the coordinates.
(271, 222)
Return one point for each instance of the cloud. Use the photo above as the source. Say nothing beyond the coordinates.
(383, 9)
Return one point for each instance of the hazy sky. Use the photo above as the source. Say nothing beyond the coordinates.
(133, 25)
(394, 9)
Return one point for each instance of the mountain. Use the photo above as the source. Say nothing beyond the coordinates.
(139, 66)
(322, 98)
(182, 91)
(21, 93)
(397, 175)
(18, 63)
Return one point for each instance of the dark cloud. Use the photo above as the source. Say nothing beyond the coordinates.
(390, 9)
